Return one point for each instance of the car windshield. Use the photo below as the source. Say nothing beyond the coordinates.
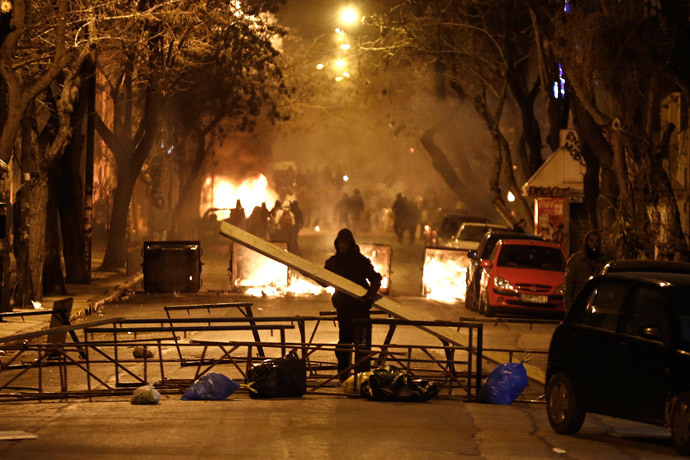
(472, 233)
(537, 257)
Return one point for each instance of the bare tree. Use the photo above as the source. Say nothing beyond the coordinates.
(165, 47)
(619, 81)
(482, 53)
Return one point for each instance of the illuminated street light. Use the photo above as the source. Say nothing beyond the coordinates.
(349, 15)
(346, 178)
(511, 197)
(346, 74)
(338, 78)
(345, 46)
(341, 63)
(319, 66)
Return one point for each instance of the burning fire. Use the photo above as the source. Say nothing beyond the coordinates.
(444, 274)
(259, 276)
(221, 192)
(380, 256)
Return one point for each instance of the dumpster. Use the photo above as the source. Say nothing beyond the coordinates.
(172, 266)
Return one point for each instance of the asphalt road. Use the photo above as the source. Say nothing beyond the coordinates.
(321, 426)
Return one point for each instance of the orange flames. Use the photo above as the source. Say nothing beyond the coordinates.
(221, 192)
(258, 275)
(380, 256)
(444, 274)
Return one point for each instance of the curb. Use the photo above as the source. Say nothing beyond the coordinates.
(111, 295)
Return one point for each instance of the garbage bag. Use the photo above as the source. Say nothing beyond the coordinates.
(276, 378)
(145, 395)
(349, 383)
(505, 383)
(142, 352)
(212, 386)
(388, 383)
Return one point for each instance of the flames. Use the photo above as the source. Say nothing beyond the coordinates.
(258, 275)
(380, 256)
(221, 192)
(444, 274)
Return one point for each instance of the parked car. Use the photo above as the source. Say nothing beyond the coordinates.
(470, 234)
(208, 225)
(438, 234)
(523, 276)
(484, 250)
(633, 265)
(623, 350)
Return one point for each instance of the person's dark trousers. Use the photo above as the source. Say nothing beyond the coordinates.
(349, 331)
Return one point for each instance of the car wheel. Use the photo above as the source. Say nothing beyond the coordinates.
(680, 423)
(563, 406)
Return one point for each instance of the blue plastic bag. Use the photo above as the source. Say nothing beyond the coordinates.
(212, 386)
(504, 384)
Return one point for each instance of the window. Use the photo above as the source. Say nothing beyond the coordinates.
(648, 307)
(603, 308)
(536, 257)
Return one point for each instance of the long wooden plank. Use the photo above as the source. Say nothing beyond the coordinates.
(386, 304)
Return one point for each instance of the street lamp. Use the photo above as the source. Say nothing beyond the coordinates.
(349, 15)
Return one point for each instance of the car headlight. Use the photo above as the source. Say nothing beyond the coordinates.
(501, 283)
(560, 289)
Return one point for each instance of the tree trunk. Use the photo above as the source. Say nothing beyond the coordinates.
(70, 196)
(116, 249)
(53, 280)
(38, 197)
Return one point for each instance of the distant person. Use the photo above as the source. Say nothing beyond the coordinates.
(356, 208)
(558, 236)
(412, 218)
(237, 215)
(349, 263)
(519, 227)
(342, 210)
(399, 216)
(299, 221)
(582, 265)
(257, 223)
(273, 220)
(160, 219)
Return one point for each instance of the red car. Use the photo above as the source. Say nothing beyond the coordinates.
(523, 276)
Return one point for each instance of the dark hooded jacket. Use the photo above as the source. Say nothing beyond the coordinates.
(581, 266)
(357, 268)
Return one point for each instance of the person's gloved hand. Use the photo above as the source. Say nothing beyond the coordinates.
(369, 297)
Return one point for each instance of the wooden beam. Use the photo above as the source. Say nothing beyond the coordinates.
(385, 304)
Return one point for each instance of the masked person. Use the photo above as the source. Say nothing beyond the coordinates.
(582, 265)
(349, 263)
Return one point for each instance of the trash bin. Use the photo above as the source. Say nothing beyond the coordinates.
(172, 266)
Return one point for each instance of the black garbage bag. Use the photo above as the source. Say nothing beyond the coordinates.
(391, 384)
(277, 378)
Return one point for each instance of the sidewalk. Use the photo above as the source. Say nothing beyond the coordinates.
(106, 286)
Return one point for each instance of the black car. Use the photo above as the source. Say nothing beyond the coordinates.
(623, 350)
(634, 265)
(484, 250)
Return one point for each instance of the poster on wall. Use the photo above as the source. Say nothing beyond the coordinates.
(550, 219)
